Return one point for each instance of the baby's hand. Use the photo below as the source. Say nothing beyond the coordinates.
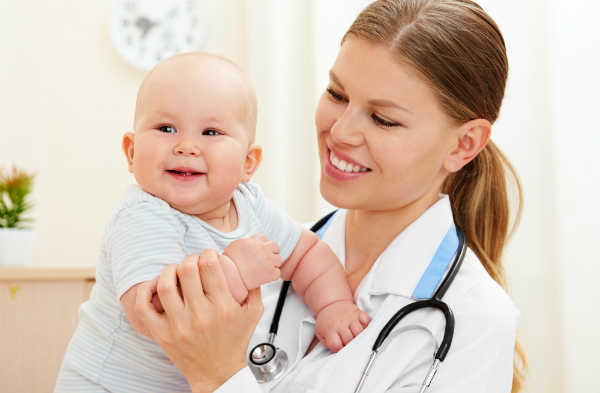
(256, 258)
(338, 324)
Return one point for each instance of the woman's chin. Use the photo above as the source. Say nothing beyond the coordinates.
(340, 197)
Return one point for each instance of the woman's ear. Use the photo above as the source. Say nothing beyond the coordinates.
(253, 160)
(472, 136)
(127, 147)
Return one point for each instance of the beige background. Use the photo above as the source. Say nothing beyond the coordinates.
(66, 98)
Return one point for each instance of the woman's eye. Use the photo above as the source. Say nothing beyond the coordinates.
(211, 132)
(383, 122)
(335, 96)
(167, 129)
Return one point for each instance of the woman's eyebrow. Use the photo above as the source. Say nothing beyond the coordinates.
(387, 104)
(379, 103)
(335, 79)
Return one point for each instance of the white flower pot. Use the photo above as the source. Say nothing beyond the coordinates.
(16, 246)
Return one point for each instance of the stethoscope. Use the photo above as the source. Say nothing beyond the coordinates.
(268, 362)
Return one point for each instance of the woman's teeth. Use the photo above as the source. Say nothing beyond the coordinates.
(342, 165)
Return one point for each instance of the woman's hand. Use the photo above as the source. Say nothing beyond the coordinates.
(205, 334)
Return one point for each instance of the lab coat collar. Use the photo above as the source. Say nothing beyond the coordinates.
(401, 267)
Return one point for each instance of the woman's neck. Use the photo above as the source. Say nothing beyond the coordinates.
(369, 233)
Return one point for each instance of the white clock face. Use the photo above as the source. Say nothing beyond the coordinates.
(144, 32)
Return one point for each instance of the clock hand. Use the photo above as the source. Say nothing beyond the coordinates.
(145, 24)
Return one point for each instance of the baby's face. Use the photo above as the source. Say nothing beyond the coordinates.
(193, 135)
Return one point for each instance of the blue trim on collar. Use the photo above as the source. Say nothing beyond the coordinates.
(321, 232)
(437, 267)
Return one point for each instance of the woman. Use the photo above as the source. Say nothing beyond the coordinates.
(412, 96)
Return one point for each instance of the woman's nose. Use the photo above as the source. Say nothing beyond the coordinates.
(186, 148)
(347, 128)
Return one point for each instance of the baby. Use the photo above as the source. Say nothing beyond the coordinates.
(193, 155)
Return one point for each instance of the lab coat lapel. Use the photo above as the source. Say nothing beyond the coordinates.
(340, 373)
(407, 258)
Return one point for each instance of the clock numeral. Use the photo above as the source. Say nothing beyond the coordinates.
(129, 40)
(194, 22)
(158, 57)
(125, 23)
(130, 6)
(190, 39)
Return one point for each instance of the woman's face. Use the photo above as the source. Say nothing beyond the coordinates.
(383, 138)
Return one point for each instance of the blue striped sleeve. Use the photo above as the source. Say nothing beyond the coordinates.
(143, 240)
(279, 226)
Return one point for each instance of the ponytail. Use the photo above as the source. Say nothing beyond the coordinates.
(479, 195)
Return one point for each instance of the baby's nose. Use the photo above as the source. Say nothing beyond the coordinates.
(187, 148)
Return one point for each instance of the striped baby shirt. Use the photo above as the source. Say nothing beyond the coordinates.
(143, 235)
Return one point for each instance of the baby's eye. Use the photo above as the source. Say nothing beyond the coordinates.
(211, 132)
(167, 129)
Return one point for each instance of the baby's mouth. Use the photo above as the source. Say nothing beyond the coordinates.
(184, 174)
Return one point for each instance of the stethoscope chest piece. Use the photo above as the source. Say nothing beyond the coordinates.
(267, 362)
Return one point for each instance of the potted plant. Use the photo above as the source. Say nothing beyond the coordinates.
(16, 240)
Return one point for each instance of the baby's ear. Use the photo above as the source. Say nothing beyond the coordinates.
(127, 147)
(253, 160)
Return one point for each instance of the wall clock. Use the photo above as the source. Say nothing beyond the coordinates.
(144, 32)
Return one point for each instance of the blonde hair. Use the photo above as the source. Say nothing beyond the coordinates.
(456, 48)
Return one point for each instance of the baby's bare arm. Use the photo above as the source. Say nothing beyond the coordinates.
(316, 273)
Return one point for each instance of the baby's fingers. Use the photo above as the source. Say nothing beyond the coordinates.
(334, 342)
(273, 247)
(259, 237)
(364, 318)
(346, 335)
(356, 327)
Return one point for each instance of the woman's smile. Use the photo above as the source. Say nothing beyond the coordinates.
(343, 168)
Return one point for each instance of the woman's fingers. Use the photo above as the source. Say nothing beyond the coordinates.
(143, 304)
(168, 292)
(189, 279)
(213, 280)
(254, 305)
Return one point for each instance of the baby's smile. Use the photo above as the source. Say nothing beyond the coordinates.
(185, 173)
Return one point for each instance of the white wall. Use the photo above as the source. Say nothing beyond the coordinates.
(66, 98)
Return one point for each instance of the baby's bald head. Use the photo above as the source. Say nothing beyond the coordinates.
(193, 68)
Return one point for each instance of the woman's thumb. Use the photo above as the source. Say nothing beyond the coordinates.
(254, 304)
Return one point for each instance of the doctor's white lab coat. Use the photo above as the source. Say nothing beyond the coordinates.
(480, 359)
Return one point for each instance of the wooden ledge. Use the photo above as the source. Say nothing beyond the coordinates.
(46, 274)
